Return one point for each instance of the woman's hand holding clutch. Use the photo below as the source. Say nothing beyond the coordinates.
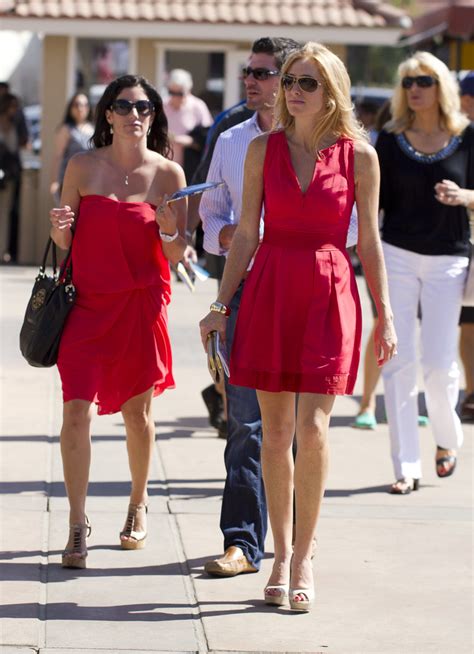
(213, 322)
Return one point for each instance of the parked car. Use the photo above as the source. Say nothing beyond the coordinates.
(376, 94)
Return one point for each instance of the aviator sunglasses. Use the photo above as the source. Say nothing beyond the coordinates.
(422, 81)
(307, 84)
(124, 107)
(260, 74)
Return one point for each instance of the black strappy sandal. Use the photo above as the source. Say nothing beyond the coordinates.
(406, 486)
(449, 458)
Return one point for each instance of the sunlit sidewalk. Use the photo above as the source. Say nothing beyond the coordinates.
(393, 574)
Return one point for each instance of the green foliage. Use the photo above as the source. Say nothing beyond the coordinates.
(374, 65)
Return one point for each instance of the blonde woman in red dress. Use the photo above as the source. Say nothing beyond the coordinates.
(115, 350)
(299, 324)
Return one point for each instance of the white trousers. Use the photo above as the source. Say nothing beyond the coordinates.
(435, 283)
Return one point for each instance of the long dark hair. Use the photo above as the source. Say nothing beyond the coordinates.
(68, 117)
(157, 139)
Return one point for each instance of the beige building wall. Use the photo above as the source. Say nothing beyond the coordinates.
(339, 50)
(54, 94)
(146, 59)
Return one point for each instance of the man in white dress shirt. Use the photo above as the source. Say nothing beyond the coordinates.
(244, 512)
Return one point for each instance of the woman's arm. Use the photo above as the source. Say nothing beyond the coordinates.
(62, 218)
(60, 144)
(246, 237)
(171, 218)
(369, 248)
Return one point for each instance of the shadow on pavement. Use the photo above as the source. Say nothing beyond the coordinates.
(156, 488)
(53, 573)
(57, 488)
(41, 438)
(158, 612)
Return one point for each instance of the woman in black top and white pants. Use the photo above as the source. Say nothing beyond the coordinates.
(426, 155)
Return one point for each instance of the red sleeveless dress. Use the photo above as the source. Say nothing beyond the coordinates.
(299, 322)
(115, 344)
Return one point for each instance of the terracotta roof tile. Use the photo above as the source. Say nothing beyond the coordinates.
(341, 13)
(160, 11)
(146, 10)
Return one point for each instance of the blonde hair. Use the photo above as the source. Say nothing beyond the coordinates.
(449, 104)
(339, 117)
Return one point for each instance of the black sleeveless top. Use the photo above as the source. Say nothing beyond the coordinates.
(413, 219)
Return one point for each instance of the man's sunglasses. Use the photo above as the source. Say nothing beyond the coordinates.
(124, 107)
(176, 94)
(422, 81)
(260, 74)
(307, 84)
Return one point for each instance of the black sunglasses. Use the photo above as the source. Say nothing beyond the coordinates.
(422, 81)
(177, 94)
(260, 74)
(308, 84)
(124, 107)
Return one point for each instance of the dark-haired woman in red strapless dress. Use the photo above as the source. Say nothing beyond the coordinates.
(115, 350)
(299, 323)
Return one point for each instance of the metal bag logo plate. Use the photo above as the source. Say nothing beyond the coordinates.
(38, 299)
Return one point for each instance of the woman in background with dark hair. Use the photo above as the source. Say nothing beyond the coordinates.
(72, 136)
(115, 350)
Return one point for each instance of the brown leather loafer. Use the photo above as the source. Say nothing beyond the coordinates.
(231, 564)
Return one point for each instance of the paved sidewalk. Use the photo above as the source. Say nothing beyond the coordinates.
(393, 574)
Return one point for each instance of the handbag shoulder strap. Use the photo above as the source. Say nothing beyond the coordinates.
(65, 272)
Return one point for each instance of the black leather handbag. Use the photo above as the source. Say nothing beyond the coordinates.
(51, 301)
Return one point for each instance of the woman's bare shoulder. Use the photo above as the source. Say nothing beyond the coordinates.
(63, 131)
(260, 142)
(257, 148)
(167, 169)
(363, 149)
(365, 156)
(83, 161)
(168, 175)
(164, 164)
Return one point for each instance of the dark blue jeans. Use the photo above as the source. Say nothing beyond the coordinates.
(244, 509)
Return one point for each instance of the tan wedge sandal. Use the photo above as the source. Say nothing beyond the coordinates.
(130, 539)
(75, 556)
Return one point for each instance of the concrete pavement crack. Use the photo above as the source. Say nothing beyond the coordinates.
(188, 581)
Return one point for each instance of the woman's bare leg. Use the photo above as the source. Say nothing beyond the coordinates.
(371, 376)
(311, 466)
(278, 425)
(140, 430)
(75, 442)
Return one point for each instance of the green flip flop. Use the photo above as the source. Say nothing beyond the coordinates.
(365, 420)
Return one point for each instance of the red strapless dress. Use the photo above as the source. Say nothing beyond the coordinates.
(299, 322)
(115, 343)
